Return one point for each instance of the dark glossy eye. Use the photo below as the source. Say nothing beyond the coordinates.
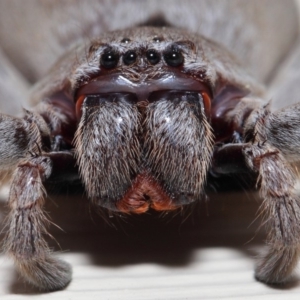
(173, 56)
(153, 56)
(129, 57)
(109, 58)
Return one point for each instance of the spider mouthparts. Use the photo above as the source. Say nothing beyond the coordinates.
(144, 194)
(146, 148)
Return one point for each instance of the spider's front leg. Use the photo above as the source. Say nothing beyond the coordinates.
(26, 148)
(275, 146)
(27, 223)
(272, 146)
(281, 209)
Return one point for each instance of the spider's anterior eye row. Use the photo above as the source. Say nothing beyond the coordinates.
(172, 55)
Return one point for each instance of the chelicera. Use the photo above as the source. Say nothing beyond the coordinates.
(141, 116)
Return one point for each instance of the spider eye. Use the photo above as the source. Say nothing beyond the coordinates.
(153, 56)
(173, 56)
(129, 57)
(109, 59)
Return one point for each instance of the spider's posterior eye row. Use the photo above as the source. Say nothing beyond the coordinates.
(172, 55)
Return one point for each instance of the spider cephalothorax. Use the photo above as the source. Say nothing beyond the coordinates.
(145, 114)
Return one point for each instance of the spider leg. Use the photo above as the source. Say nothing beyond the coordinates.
(282, 129)
(27, 223)
(24, 143)
(18, 137)
(273, 145)
(281, 208)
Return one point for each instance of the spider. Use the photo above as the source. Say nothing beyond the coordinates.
(141, 116)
